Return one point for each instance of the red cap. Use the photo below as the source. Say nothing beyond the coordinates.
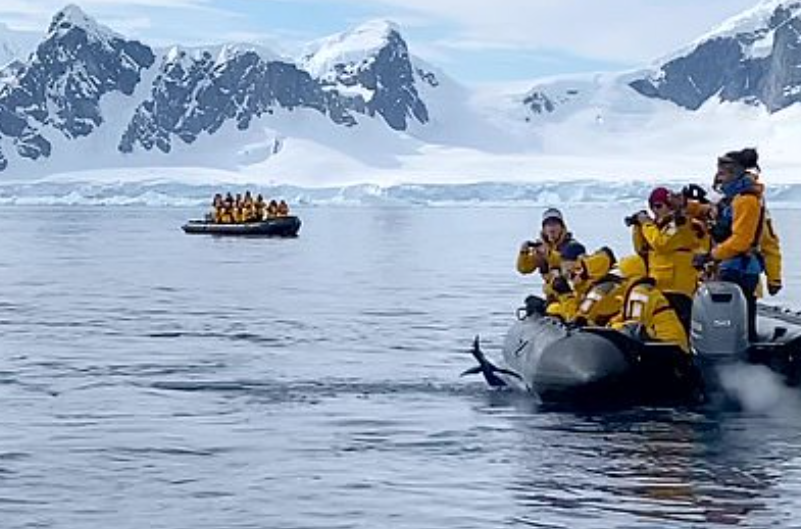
(660, 195)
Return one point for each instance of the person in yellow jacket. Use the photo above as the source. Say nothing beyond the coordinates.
(769, 244)
(598, 291)
(545, 254)
(644, 306)
(272, 210)
(283, 208)
(258, 208)
(217, 208)
(770, 248)
(589, 298)
(704, 213)
(668, 242)
(738, 230)
(562, 294)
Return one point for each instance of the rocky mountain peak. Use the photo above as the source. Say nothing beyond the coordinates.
(753, 58)
(72, 17)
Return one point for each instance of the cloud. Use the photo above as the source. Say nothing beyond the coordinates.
(593, 32)
(614, 30)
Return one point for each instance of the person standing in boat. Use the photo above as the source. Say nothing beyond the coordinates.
(667, 242)
(545, 254)
(769, 244)
(737, 230)
(645, 309)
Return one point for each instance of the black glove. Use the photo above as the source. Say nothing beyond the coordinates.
(695, 192)
(774, 288)
(634, 220)
(701, 259)
(560, 285)
(635, 331)
(535, 305)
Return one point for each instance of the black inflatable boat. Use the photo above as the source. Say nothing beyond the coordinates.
(277, 227)
(601, 366)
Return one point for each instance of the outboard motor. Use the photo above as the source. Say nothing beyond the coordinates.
(719, 331)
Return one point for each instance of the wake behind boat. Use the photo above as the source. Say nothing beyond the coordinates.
(288, 226)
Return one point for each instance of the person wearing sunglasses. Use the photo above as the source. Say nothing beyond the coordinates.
(667, 242)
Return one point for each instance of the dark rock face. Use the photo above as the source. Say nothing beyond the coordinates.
(390, 76)
(59, 89)
(723, 67)
(539, 103)
(61, 86)
(193, 95)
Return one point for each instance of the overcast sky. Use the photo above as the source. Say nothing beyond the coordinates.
(473, 40)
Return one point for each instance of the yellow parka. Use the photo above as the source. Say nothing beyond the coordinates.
(770, 248)
(670, 250)
(529, 261)
(644, 304)
(601, 303)
(565, 307)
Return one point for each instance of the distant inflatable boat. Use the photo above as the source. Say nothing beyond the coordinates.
(277, 227)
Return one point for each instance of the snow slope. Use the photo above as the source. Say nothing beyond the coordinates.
(572, 128)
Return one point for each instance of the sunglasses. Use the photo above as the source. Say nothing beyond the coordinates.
(658, 205)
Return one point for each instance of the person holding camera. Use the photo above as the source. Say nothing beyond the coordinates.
(545, 254)
(667, 243)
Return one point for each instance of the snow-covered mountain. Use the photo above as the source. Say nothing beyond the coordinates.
(754, 58)
(16, 45)
(359, 106)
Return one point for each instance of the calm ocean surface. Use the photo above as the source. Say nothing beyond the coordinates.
(150, 379)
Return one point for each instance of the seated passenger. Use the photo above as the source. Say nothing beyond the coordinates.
(258, 208)
(247, 207)
(272, 209)
(217, 208)
(600, 292)
(645, 307)
(589, 281)
(283, 209)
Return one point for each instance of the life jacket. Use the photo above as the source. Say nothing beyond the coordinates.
(751, 260)
(601, 302)
(644, 303)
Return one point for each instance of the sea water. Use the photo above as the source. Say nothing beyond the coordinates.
(150, 378)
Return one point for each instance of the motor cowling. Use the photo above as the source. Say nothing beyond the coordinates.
(719, 328)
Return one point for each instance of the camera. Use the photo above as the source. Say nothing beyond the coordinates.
(634, 220)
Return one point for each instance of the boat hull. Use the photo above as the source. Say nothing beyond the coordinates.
(279, 227)
(598, 366)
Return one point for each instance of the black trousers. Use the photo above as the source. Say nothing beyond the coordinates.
(683, 306)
